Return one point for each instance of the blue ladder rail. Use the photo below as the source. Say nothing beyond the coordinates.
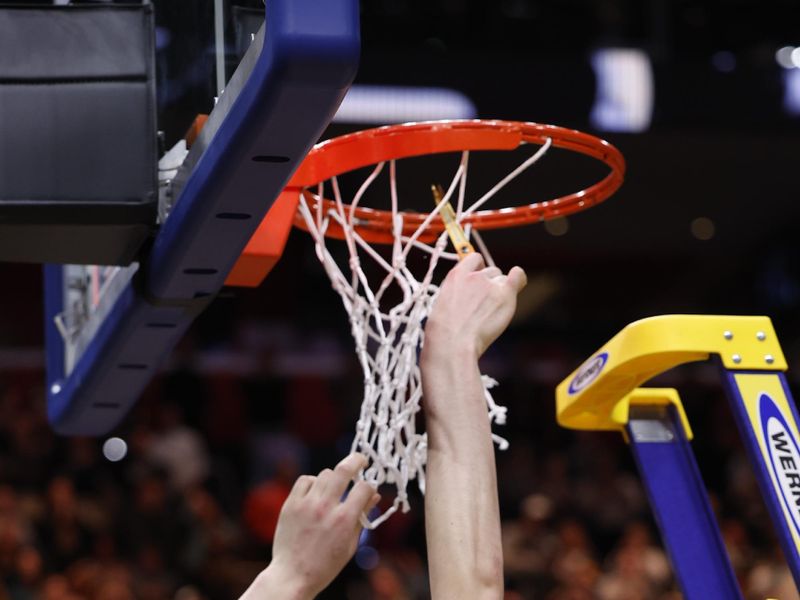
(680, 504)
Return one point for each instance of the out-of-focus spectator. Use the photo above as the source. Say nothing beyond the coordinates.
(179, 449)
(387, 584)
(737, 543)
(188, 592)
(770, 578)
(529, 544)
(607, 497)
(569, 592)
(262, 505)
(574, 564)
(212, 534)
(84, 576)
(63, 530)
(313, 414)
(155, 527)
(27, 577)
(555, 480)
(276, 455)
(153, 579)
(109, 589)
(638, 569)
(56, 587)
(518, 466)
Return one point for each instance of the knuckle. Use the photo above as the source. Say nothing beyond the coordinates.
(288, 507)
(293, 509)
(340, 518)
(319, 511)
(304, 480)
(343, 467)
(361, 487)
(344, 519)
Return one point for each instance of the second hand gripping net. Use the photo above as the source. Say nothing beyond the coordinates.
(388, 333)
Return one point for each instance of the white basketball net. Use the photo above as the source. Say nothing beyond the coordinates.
(388, 338)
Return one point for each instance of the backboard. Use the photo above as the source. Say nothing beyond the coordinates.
(270, 86)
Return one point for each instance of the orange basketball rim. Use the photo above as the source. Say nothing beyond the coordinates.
(346, 153)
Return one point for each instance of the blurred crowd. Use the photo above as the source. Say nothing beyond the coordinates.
(189, 511)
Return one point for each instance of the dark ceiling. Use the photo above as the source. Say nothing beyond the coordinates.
(720, 146)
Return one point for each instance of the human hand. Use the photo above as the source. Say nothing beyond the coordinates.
(474, 306)
(317, 532)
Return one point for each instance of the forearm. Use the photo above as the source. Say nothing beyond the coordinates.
(273, 583)
(461, 507)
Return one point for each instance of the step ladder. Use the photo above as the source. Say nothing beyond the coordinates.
(604, 394)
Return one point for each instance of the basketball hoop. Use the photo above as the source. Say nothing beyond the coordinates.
(389, 333)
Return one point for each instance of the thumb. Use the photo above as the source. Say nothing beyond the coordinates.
(517, 279)
(471, 262)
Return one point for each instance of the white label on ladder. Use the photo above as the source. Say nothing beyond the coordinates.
(784, 456)
(589, 371)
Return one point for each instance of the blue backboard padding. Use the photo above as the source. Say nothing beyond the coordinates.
(307, 63)
(312, 48)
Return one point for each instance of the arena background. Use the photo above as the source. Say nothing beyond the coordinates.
(265, 385)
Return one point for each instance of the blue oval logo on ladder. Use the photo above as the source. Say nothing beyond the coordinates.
(589, 371)
(784, 455)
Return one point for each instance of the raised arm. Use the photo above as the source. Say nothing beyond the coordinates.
(462, 517)
(317, 533)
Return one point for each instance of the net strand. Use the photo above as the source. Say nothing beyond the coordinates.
(526, 164)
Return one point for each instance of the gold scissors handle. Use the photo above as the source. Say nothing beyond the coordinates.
(454, 230)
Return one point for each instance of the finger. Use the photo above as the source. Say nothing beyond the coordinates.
(322, 483)
(491, 272)
(361, 498)
(374, 502)
(343, 474)
(351, 464)
(471, 262)
(302, 486)
(517, 279)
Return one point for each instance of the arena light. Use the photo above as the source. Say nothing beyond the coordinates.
(783, 57)
(115, 449)
(791, 92)
(702, 228)
(385, 104)
(625, 90)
